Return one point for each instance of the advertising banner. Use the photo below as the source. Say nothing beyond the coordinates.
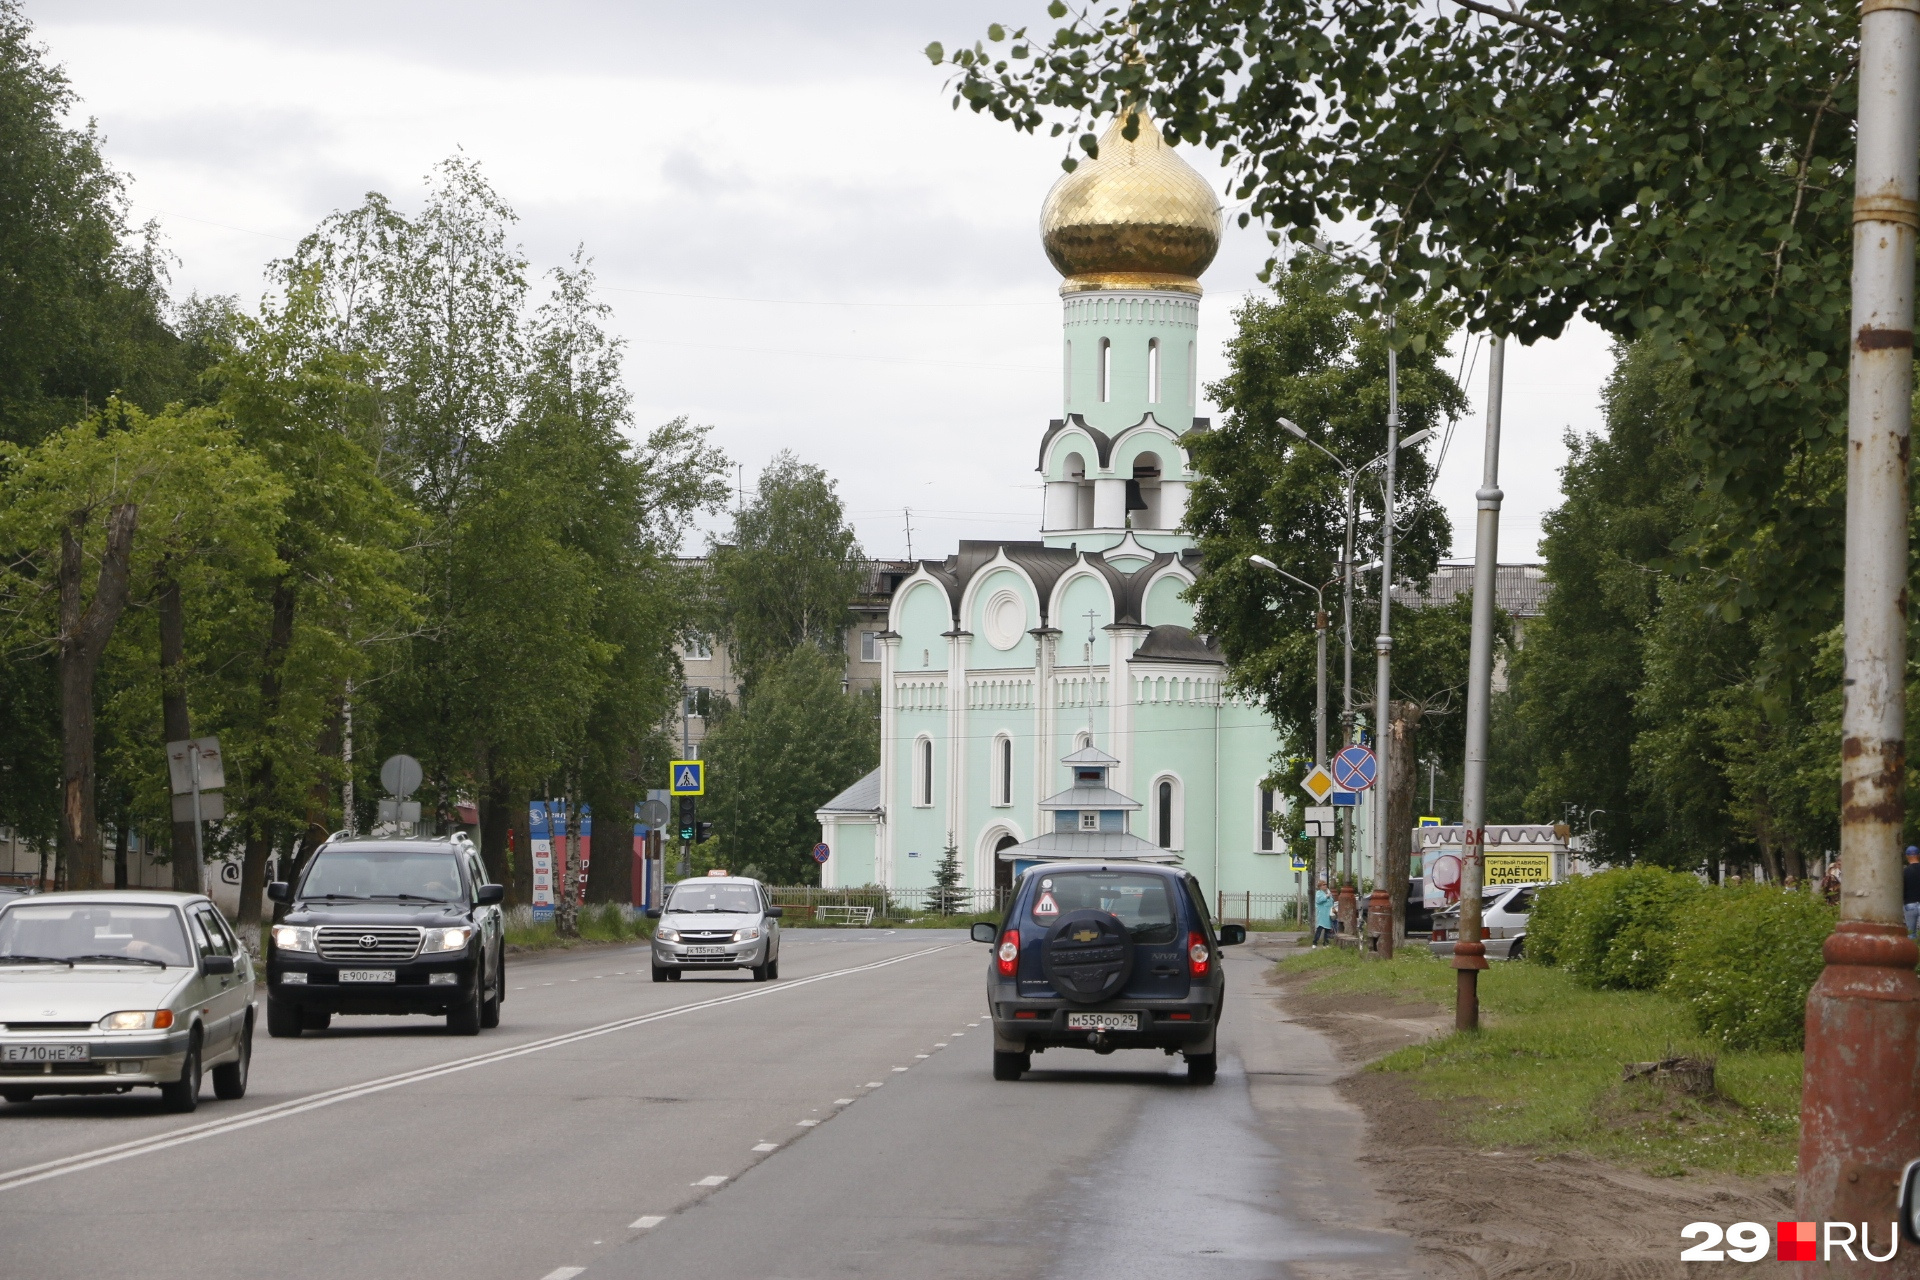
(540, 849)
(583, 853)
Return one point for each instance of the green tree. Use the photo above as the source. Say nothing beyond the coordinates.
(797, 740)
(947, 897)
(789, 574)
(1678, 173)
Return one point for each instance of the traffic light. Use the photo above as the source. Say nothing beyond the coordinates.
(687, 825)
(702, 832)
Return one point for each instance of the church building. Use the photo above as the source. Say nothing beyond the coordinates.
(1008, 664)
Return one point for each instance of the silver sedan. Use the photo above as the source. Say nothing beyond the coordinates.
(108, 992)
(1503, 922)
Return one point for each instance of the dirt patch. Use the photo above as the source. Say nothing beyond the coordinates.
(1518, 1213)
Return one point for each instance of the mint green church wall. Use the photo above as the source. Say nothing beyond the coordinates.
(982, 655)
(1164, 604)
(924, 617)
(852, 855)
(1131, 324)
(1083, 591)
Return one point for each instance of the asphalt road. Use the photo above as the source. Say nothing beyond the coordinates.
(841, 1122)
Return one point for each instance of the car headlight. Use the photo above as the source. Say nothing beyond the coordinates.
(747, 935)
(138, 1020)
(454, 939)
(293, 937)
(667, 935)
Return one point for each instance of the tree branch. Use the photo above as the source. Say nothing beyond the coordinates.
(1507, 15)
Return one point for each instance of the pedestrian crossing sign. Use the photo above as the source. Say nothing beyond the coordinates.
(689, 778)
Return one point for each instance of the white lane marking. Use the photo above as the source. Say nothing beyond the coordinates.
(918, 1055)
(711, 1180)
(899, 1068)
(564, 1273)
(939, 1044)
(843, 1102)
(647, 1223)
(873, 1084)
(807, 1124)
(328, 1097)
(766, 1146)
(973, 1024)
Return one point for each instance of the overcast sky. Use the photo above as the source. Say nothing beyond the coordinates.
(803, 244)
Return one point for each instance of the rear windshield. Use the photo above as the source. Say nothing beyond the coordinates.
(391, 874)
(741, 898)
(1143, 903)
(67, 930)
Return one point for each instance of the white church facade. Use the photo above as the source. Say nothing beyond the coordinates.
(1005, 658)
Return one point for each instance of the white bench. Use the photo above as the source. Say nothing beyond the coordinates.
(859, 917)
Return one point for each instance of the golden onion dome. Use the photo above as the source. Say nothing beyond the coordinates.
(1137, 216)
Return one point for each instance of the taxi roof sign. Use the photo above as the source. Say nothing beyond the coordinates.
(687, 778)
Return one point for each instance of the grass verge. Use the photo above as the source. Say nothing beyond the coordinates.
(1544, 1071)
(604, 923)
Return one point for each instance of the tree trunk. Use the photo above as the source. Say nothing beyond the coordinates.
(1404, 770)
(120, 848)
(253, 864)
(496, 815)
(566, 918)
(610, 875)
(84, 633)
(319, 815)
(176, 723)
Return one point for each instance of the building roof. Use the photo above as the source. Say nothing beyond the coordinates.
(1170, 643)
(1090, 755)
(1088, 846)
(1520, 589)
(1077, 797)
(862, 797)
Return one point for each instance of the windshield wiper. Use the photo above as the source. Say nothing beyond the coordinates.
(407, 897)
(336, 897)
(36, 960)
(101, 957)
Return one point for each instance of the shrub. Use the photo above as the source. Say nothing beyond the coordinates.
(1614, 929)
(1745, 958)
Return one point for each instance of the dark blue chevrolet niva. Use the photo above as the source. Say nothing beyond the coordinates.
(1106, 956)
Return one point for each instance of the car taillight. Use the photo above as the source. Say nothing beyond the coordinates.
(1009, 953)
(1439, 935)
(1197, 956)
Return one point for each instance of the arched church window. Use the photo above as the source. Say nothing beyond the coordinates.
(1153, 371)
(1106, 370)
(1066, 377)
(923, 772)
(1193, 376)
(1082, 740)
(1163, 828)
(1003, 770)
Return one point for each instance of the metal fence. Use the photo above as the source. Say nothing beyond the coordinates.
(889, 904)
(1262, 908)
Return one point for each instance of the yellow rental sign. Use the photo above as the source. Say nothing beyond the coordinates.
(1518, 868)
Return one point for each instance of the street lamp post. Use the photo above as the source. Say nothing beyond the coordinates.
(1319, 686)
(1860, 1109)
(1348, 570)
(1380, 905)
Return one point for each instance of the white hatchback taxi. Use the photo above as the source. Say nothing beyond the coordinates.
(107, 992)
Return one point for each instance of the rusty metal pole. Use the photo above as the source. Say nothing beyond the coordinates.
(1860, 1108)
(1380, 903)
(1469, 953)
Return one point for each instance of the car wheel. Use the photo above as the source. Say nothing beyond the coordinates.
(465, 1018)
(316, 1019)
(184, 1093)
(659, 974)
(1518, 950)
(490, 1005)
(17, 1096)
(773, 971)
(230, 1078)
(759, 972)
(1202, 1067)
(283, 1019)
(1011, 1066)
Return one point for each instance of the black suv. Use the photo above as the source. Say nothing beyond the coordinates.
(388, 924)
(1103, 957)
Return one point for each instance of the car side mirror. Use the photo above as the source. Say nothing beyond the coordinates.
(776, 912)
(216, 966)
(280, 891)
(492, 895)
(1232, 935)
(653, 913)
(985, 933)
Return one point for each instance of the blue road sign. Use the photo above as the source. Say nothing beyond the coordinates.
(1299, 862)
(821, 852)
(1346, 799)
(689, 778)
(1354, 768)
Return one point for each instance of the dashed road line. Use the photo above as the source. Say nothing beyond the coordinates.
(712, 1180)
(647, 1223)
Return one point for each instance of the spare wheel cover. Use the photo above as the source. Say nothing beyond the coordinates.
(1088, 956)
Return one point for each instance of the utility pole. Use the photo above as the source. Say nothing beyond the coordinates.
(1380, 904)
(1320, 620)
(1860, 1109)
(1469, 953)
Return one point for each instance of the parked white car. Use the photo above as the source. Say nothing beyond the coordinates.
(108, 992)
(1503, 922)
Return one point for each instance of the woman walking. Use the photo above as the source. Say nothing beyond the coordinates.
(1322, 915)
